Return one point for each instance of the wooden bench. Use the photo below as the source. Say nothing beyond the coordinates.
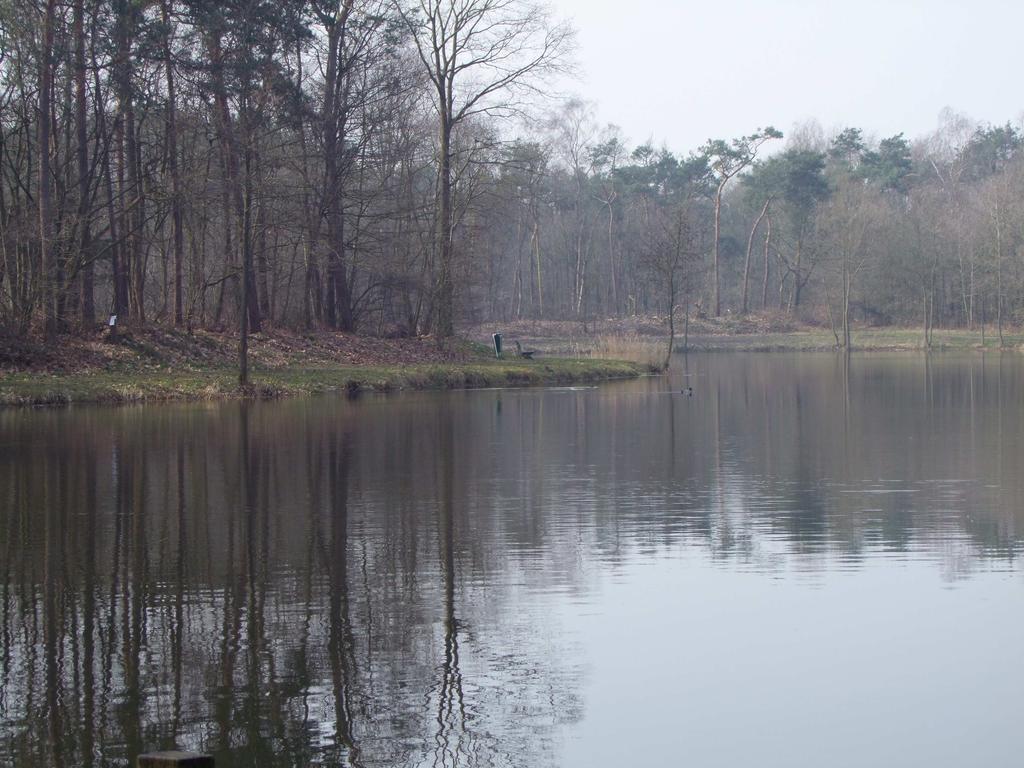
(525, 354)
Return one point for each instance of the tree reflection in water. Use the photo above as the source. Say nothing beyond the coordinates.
(375, 583)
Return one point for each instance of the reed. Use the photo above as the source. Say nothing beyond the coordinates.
(645, 350)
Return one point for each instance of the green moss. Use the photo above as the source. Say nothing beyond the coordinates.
(154, 386)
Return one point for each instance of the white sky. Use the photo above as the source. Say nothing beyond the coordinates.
(682, 72)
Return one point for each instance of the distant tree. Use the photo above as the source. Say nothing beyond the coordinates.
(925, 249)
(759, 190)
(851, 222)
(727, 160)
(890, 166)
(575, 139)
(750, 247)
(796, 180)
(847, 149)
(644, 154)
(606, 155)
(944, 160)
(520, 186)
(997, 201)
(671, 255)
(990, 150)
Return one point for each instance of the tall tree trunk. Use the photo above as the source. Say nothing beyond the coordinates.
(535, 248)
(831, 314)
(974, 293)
(230, 258)
(127, 173)
(686, 322)
(262, 264)
(847, 288)
(983, 322)
(312, 300)
(444, 290)
(119, 305)
(750, 248)
(136, 252)
(260, 297)
(715, 288)
(67, 262)
(243, 314)
(767, 268)
(798, 283)
(927, 318)
(999, 276)
(339, 299)
(612, 265)
(671, 324)
(46, 224)
(250, 297)
(177, 223)
(87, 303)
(234, 192)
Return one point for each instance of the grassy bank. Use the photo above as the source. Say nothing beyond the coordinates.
(864, 340)
(33, 388)
(155, 363)
(642, 338)
(160, 364)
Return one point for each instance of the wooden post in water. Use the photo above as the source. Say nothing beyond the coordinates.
(174, 760)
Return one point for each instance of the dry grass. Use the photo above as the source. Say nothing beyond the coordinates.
(144, 385)
(645, 350)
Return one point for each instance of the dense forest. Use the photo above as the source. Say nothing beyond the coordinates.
(405, 166)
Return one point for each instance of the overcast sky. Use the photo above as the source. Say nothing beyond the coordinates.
(682, 72)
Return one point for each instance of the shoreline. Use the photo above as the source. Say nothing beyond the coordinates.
(28, 389)
(865, 340)
(645, 337)
(157, 365)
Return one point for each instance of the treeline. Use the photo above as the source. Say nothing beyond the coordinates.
(834, 229)
(927, 232)
(391, 166)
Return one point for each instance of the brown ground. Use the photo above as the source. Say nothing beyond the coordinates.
(157, 346)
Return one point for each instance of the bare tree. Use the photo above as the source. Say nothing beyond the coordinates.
(671, 255)
(573, 136)
(750, 248)
(727, 160)
(482, 57)
(995, 201)
(850, 218)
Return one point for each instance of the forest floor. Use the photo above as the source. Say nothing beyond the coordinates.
(762, 332)
(158, 364)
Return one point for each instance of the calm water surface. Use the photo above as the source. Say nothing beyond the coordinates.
(807, 563)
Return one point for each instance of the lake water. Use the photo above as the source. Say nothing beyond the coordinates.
(809, 562)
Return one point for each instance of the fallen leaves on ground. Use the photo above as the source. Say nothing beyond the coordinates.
(159, 348)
